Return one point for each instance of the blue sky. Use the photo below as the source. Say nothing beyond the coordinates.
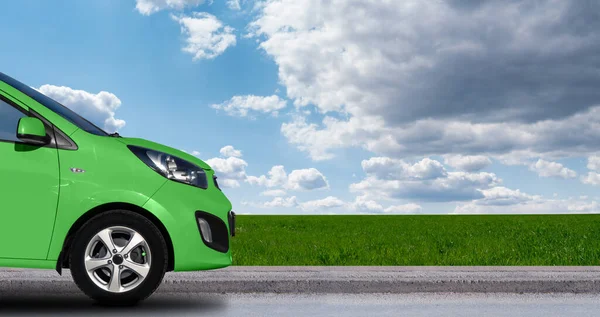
(306, 106)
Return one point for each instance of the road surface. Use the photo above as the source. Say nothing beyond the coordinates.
(264, 304)
(326, 291)
(357, 280)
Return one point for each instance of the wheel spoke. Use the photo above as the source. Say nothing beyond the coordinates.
(92, 264)
(140, 269)
(136, 240)
(115, 280)
(106, 237)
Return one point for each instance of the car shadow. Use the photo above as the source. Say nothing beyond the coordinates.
(78, 305)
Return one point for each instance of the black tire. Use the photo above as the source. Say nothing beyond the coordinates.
(132, 220)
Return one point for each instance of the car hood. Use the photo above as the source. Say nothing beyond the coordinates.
(166, 149)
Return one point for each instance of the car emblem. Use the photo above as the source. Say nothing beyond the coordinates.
(77, 170)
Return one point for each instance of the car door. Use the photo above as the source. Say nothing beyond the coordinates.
(29, 188)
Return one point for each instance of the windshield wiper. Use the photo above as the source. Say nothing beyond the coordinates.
(115, 135)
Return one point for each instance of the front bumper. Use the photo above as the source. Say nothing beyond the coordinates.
(178, 206)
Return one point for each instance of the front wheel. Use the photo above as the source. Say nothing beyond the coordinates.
(118, 258)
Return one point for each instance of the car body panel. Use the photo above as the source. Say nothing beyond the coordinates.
(27, 264)
(182, 201)
(30, 191)
(110, 173)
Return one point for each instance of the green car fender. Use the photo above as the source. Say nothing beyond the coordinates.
(67, 223)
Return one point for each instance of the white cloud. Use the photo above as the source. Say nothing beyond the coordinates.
(231, 169)
(357, 131)
(520, 158)
(207, 37)
(552, 169)
(302, 179)
(458, 186)
(306, 179)
(426, 180)
(282, 202)
(502, 196)
(361, 204)
(275, 177)
(99, 108)
(234, 4)
(277, 202)
(502, 200)
(228, 183)
(439, 48)
(230, 151)
(388, 168)
(274, 193)
(468, 163)
(592, 178)
(594, 163)
(571, 136)
(584, 207)
(242, 106)
(364, 204)
(406, 208)
(148, 7)
(322, 204)
(401, 86)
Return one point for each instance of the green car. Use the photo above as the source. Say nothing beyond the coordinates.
(117, 212)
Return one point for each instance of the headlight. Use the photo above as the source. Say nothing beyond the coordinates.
(172, 167)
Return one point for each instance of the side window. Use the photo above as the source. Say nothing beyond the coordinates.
(9, 119)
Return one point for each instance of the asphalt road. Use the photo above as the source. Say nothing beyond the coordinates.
(326, 291)
(340, 280)
(265, 304)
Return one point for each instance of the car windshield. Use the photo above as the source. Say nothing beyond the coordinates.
(53, 105)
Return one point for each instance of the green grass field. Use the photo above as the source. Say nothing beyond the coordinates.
(418, 240)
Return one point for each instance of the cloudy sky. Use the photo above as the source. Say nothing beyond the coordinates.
(340, 106)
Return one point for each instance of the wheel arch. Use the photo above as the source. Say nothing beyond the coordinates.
(63, 259)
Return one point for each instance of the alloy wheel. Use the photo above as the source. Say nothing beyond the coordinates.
(117, 259)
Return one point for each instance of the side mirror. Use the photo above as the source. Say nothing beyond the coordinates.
(32, 131)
